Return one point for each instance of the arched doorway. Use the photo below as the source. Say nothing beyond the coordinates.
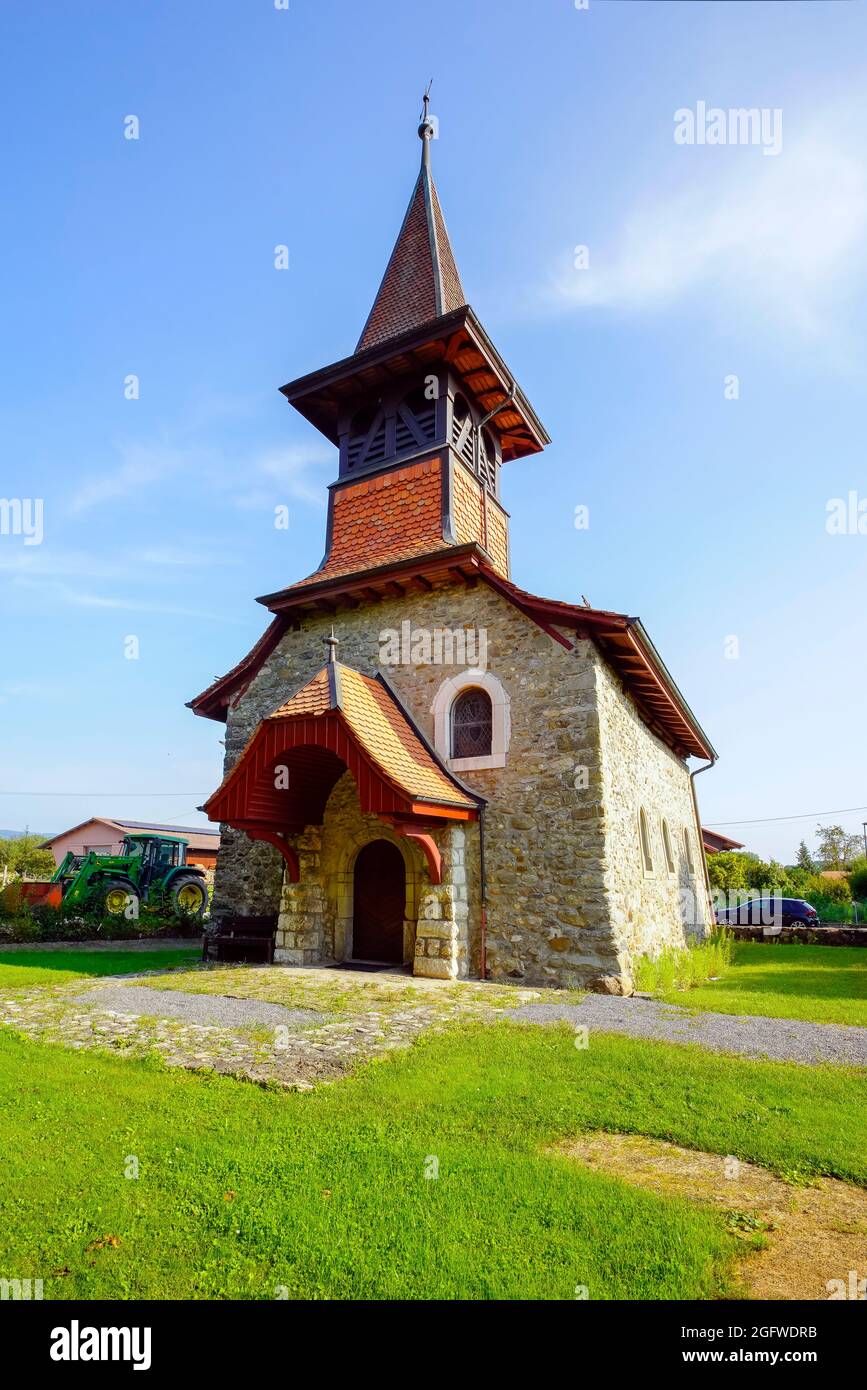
(379, 903)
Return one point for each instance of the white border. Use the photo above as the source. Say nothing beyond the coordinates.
(501, 730)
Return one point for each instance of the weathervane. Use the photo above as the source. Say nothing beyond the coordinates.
(426, 130)
(425, 101)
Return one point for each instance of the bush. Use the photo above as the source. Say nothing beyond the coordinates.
(858, 882)
(832, 890)
(20, 922)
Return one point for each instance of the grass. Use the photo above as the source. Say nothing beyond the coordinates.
(26, 969)
(330, 991)
(819, 984)
(242, 1192)
(685, 967)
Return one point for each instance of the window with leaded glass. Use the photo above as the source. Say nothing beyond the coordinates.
(472, 724)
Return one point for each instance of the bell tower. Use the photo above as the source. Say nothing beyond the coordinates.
(424, 412)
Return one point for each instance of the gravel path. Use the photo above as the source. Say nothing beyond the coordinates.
(196, 1008)
(780, 1039)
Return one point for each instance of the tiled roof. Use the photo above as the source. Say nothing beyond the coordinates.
(390, 740)
(381, 729)
(313, 698)
(421, 280)
(391, 516)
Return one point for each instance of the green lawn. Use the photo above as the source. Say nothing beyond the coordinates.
(242, 1190)
(822, 984)
(24, 969)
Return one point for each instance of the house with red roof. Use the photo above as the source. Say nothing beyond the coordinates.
(427, 766)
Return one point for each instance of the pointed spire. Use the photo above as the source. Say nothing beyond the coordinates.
(421, 280)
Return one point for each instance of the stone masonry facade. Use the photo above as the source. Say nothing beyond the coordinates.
(569, 901)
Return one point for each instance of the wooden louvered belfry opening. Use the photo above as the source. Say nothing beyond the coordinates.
(475, 446)
(392, 429)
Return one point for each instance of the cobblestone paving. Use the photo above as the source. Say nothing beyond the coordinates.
(364, 1016)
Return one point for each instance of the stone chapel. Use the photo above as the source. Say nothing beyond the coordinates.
(427, 766)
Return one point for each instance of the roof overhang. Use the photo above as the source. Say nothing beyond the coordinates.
(715, 843)
(623, 640)
(456, 338)
(316, 750)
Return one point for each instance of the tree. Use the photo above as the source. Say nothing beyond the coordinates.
(804, 859)
(798, 880)
(28, 860)
(837, 848)
(726, 871)
(858, 878)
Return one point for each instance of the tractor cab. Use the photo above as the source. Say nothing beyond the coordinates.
(157, 855)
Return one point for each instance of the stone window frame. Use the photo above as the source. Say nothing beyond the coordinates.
(644, 845)
(667, 847)
(687, 846)
(501, 730)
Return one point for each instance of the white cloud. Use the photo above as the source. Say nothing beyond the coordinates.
(781, 240)
(293, 472)
(56, 592)
(139, 466)
(182, 557)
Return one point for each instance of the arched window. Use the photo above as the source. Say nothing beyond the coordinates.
(687, 845)
(644, 836)
(668, 847)
(450, 715)
(472, 724)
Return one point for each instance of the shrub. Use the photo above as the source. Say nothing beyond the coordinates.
(832, 890)
(858, 882)
(24, 923)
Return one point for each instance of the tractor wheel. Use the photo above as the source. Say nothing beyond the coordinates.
(119, 899)
(189, 895)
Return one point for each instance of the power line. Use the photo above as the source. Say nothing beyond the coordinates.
(768, 820)
(129, 794)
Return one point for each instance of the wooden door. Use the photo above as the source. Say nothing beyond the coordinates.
(379, 903)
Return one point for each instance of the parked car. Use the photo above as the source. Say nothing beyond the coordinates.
(769, 912)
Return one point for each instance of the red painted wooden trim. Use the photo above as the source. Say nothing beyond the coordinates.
(428, 847)
(273, 837)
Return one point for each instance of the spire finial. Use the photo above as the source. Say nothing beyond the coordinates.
(427, 128)
(332, 643)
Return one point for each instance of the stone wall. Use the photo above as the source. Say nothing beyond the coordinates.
(248, 875)
(648, 910)
(560, 865)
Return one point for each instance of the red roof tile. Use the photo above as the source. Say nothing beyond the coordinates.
(421, 280)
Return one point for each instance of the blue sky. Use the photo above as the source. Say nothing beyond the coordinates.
(261, 126)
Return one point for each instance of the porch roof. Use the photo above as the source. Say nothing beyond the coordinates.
(340, 719)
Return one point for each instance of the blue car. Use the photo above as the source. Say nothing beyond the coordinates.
(769, 912)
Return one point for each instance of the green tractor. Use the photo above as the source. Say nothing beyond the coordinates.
(148, 868)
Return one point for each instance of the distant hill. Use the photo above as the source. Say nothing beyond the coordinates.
(17, 834)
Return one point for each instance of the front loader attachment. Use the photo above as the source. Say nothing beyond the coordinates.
(39, 894)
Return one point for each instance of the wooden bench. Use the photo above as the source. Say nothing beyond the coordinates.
(242, 939)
